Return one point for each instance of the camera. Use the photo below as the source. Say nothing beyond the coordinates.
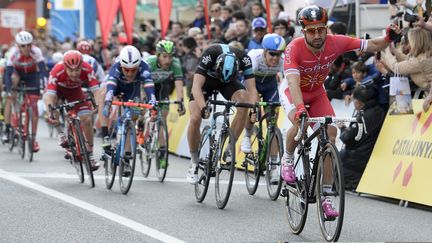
(410, 17)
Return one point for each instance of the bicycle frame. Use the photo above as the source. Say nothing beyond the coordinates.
(122, 120)
(264, 144)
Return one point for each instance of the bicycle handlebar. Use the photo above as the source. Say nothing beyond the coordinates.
(328, 120)
(26, 89)
(232, 103)
(69, 105)
(264, 104)
(132, 104)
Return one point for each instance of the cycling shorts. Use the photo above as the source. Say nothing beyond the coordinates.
(227, 90)
(319, 104)
(74, 94)
(268, 91)
(31, 80)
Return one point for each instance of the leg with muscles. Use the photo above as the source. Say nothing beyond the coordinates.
(287, 169)
(8, 107)
(103, 120)
(193, 133)
(86, 123)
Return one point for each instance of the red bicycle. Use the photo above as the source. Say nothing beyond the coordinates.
(23, 128)
(76, 151)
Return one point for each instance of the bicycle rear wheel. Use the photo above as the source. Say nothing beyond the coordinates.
(84, 152)
(252, 167)
(73, 156)
(145, 160)
(110, 167)
(204, 155)
(331, 227)
(13, 138)
(296, 198)
(273, 162)
(125, 179)
(225, 168)
(161, 148)
(21, 135)
(30, 134)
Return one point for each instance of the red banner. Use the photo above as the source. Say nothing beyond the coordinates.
(128, 8)
(106, 10)
(207, 19)
(269, 23)
(164, 15)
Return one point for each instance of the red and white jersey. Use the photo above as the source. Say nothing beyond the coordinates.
(26, 64)
(59, 77)
(314, 68)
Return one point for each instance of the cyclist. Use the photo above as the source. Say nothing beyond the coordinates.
(218, 71)
(65, 81)
(86, 49)
(267, 65)
(166, 73)
(131, 76)
(24, 64)
(307, 63)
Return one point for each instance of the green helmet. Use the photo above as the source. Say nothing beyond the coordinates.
(165, 46)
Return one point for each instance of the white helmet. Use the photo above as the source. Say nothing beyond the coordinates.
(23, 38)
(130, 57)
(57, 57)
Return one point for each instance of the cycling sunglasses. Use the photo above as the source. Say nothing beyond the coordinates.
(129, 70)
(24, 46)
(312, 31)
(274, 53)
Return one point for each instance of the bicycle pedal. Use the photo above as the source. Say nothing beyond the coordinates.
(67, 156)
(284, 192)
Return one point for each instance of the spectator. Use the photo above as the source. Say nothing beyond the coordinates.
(426, 25)
(246, 8)
(190, 60)
(199, 20)
(226, 17)
(240, 33)
(339, 71)
(216, 29)
(417, 64)
(275, 9)
(259, 27)
(192, 32)
(355, 155)
(175, 32)
(215, 11)
(338, 28)
(201, 41)
(281, 28)
(359, 72)
(257, 10)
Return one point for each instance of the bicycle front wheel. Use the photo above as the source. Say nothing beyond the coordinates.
(84, 152)
(145, 160)
(72, 154)
(296, 197)
(127, 160)
(13, 138)
(273, 162)
(225, 168)
(330, 162)
(21, 135)
(30, 134)
(252, 167)
(160, 144)
(204, 155)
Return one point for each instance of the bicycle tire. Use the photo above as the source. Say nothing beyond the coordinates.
(252, 167)
(73, 156)
(50, 130)
(126, 181)
(204, 155)
(110, 164)
(296, 198)
(161, 152)
(273, 189)
(228, 164)
(13, 138)
(144, 160)
(331, 228)
(21, 137)
(84, 152)
(30, 134)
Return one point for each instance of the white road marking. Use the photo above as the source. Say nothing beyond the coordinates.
(100, 177)
(89, 207)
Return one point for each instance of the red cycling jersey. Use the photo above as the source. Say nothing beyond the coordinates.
(59, 78)
(314, 68)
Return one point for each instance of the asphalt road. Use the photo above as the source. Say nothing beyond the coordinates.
(43, 201)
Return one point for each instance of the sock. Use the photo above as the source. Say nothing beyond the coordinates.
(327, 188)
(194, 158)
(105, 132)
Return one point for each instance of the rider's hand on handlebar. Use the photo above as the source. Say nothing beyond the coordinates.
(252, 116)
(181, 109)
(205, 112)
(300, 110)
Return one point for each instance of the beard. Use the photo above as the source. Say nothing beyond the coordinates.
(317, 44)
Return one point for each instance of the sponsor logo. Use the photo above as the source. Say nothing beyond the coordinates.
(206, 59)
(247, 61)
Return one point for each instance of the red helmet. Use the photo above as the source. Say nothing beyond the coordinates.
(312, 15)
(72, 59)
(84, 47)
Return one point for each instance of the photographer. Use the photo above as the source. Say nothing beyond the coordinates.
(425, 25)
(355, 155)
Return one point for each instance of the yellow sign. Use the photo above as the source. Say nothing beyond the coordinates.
(41, 22)
(401, 162)
(68, 4)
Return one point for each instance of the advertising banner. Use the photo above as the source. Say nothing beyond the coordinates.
(12, 18)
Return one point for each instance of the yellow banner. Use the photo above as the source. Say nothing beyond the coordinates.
(401, 162)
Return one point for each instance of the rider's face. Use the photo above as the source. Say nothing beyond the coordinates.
(25, 49)
(315, 35)
(272, 58)
(165, 60)
(130, 73)
(74, 74)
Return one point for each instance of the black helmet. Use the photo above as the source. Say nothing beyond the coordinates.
(311, 15)
(227, 67)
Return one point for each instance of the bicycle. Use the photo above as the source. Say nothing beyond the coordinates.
(155, 146)
(76, 152)
(260, 158)
(22, 127)
(308, 187)
(216, 153)
(117, 155)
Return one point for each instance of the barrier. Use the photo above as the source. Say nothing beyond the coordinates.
(401, 162)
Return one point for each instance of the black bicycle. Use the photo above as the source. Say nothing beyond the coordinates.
(308, 187)
(266, 154)
(217, 154)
